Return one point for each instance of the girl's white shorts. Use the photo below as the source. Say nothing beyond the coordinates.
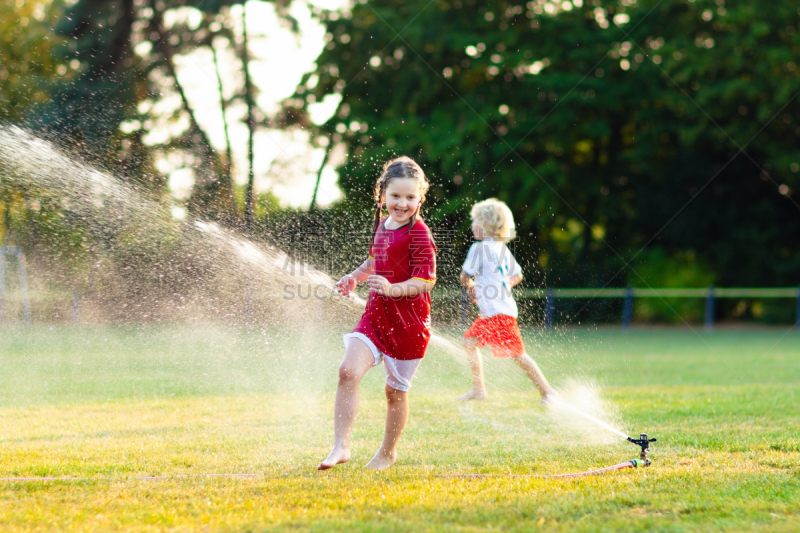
(399, 373)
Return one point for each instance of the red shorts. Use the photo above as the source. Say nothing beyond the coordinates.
(501, 332)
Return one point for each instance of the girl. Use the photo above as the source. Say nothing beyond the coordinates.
(495, 271)
(395, 327)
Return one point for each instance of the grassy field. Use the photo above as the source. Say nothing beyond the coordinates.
(113, 406)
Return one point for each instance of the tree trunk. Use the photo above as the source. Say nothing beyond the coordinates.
(313, 203)
(212, 161)
(228, 152)
(251, 123)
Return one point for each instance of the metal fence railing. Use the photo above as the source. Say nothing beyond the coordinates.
(19, 255)
(629, 294)
(23, 298)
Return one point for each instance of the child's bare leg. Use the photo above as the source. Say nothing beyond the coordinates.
(478, 391)
(358, 359)
(532, 369)
(396, 419)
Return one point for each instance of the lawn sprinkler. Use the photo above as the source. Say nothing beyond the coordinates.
(644, 443)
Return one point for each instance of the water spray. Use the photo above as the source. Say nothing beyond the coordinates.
(643, 441)
(248, 253)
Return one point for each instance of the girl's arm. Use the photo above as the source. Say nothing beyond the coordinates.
(410, 287)
(348, 283)
(515, 280)
(364, 271)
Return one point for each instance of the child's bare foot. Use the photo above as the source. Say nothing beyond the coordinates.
(382, 460)
(548, 399)
(336, 457)
(472, 395)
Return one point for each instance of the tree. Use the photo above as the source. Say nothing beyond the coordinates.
(125, 55)
(613, 129)
(27, 71)
(97, 46)
(27, 65)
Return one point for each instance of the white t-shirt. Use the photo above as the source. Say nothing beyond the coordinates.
(491, 263)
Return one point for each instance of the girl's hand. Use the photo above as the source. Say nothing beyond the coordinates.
(346, 285)
(379, 284)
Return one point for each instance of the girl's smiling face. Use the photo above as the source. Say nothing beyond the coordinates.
(402, 199)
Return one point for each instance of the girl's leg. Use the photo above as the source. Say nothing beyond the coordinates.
(532, 369)
(358, 359)
(396, 419)
(478, 391)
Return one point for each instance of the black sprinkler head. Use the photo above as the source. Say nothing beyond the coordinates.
(644, 442)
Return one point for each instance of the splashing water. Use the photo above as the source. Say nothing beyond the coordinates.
(579, 403)
(222, 263)
(563, 404)
(118, 212)
(269, 262)
(145, 258)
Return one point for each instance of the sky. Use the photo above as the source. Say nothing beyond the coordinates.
(285, 161)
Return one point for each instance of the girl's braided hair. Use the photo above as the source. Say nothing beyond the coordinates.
(400, 167)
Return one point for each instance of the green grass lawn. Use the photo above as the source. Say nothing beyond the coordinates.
(111, 405)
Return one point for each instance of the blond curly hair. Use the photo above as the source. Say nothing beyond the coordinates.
(495, 218)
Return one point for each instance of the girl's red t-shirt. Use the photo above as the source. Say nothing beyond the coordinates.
(400, 327)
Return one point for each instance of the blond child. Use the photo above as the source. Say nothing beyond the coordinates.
(489, 273)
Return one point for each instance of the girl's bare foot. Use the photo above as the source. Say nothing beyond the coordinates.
(336, 457)
(472, 395)
(382, 460)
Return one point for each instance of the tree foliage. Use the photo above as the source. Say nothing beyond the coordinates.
(28, 67)
(614, 130)
(123, 56)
